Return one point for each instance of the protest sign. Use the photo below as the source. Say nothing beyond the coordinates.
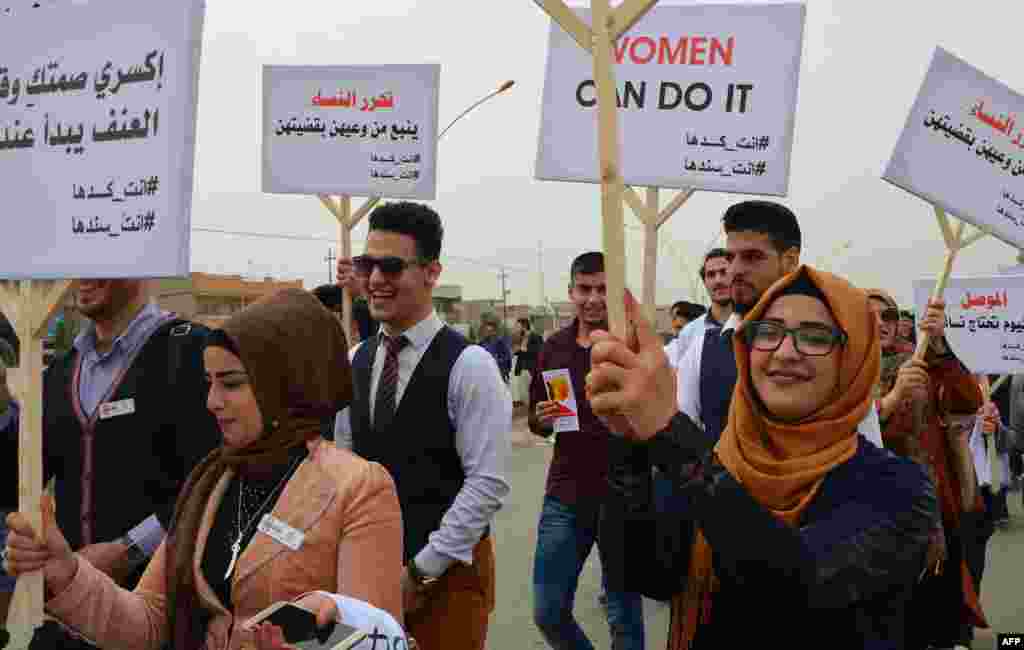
(98, 110)
(351, 130)
(97, 113)
(558, 384)
(962, 148)
(706, 97)
(984, 321)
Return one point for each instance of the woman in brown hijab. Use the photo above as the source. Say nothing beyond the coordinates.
(274, 514)
(806, 534)
(927, 409)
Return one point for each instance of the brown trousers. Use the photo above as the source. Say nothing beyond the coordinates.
(459, 606)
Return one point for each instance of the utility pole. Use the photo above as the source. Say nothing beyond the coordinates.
(330, 259)
(540, 273)
(504, 296)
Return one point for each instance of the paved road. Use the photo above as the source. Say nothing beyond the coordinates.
(515, 534)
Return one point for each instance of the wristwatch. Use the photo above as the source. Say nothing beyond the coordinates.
(421, 579)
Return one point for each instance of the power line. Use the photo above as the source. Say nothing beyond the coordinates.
(269, 235)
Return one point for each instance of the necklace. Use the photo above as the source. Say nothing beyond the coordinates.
(236, 547)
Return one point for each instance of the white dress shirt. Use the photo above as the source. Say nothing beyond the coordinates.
(480, 406)
(688, 383)
(677, 348)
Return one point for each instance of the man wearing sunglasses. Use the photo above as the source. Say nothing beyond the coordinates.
(763, 242)
(434, 411)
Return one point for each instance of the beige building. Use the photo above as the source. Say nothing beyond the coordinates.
(211, 299)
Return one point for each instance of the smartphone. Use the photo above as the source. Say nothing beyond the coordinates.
(300, 630)
(297, 623)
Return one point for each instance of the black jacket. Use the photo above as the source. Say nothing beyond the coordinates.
(841, 579)
(140, 459)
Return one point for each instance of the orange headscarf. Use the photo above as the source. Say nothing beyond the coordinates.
(783, 464)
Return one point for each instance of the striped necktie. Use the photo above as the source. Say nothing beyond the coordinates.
(387, 388)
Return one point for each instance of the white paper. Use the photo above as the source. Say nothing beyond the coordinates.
(356, 130)
(746, 55)
(962, 148)
(558, 384)
(984, 321)
(97, 133)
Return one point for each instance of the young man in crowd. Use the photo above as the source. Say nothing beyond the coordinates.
(526, 353)
(577, 483)
(491, 341)
(715, 275)
(433, 410)
(683, 313)
(763, 242)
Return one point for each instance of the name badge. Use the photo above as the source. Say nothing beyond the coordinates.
(281, 532)
(113, 409)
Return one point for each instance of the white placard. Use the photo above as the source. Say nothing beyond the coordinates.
(97, 133)
(558, 384)
(356, 130)
(707, 98)
(984, 321)
(962, 148)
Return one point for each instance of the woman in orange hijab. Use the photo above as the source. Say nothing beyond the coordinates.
(805, 533)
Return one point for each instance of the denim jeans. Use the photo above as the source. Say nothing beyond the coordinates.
(565, 538)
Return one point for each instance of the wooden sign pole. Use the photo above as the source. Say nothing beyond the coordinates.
(956, 241)
(30, 304)
(653, 219)
(608, 26)
(341, 208)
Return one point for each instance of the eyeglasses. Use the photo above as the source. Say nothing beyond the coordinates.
(809, 340)
(891, 315)
(364, 265)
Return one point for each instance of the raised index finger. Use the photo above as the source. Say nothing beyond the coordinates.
(612, 352)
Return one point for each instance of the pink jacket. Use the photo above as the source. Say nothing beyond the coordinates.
(346, 506)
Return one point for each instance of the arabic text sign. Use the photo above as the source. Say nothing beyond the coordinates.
(963, 148)
(97, 132)
(356, 130)
(707, 97)
(984, 321)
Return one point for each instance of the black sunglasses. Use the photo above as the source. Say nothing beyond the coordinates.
(809, 340)
(364, 265)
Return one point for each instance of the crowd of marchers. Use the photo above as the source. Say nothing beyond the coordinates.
(803, 458)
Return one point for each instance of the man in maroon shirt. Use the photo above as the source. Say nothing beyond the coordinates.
(577, 479)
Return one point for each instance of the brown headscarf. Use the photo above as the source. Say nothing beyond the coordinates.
(296, 356)
(782, 464)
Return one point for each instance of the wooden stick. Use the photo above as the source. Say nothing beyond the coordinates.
(344, 215)
(651, 257)
(999, 382)
(940, 285)
(643, 211)
(673, 206)
(330, 203)
(973, 237)
(569, 21)
(36, 303)
(628, 14)
(363, 210)
(947, 233)
(613, 226)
